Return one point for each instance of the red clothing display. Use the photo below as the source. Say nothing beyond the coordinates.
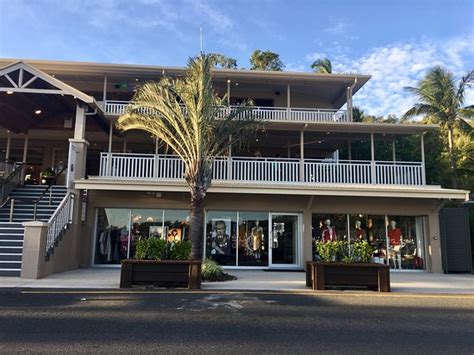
(329, 234)
(395, 236)
(359, 234)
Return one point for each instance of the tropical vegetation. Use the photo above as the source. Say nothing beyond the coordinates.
(265, 60)
(441, 100)
(322, 65)
(186, 114)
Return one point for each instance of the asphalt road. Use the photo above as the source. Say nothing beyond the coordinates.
(182, 322)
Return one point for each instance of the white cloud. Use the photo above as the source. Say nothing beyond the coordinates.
(395, 66)
(337, 26)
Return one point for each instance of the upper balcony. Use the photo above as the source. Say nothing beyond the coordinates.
(271, 114)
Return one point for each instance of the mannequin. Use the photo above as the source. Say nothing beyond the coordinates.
(395, 243)
(257, 238)
(359, 233)
(328, 232)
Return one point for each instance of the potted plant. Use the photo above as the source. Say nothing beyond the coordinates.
(343, 264)
(47, 176)
(159, 262)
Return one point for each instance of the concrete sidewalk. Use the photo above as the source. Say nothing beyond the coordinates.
(256, 280)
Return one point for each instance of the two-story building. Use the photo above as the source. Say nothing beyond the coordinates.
(301, 179)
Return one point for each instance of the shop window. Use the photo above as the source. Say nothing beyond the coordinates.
(112, 240)
(221, 240)
(370, 228)
(176, 225)
(405, 241)
(329, 227)
(253, 239)
(145, 223)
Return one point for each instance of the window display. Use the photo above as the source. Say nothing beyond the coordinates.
(329, 227)
(405, 240)
(396, 240)
(145, 223)
(112, 239)
(253, 239)
(221, 237)
(176, 223)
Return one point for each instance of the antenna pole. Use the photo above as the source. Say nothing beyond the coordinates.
(200, 38)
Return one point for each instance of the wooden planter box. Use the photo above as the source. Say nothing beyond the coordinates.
(164, 273)
(371, 275)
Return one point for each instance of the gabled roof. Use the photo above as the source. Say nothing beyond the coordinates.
(23, 78)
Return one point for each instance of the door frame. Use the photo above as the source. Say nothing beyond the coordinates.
(298, 252)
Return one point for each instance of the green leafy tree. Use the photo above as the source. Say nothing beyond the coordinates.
(322, 65)
(442, 99)
(265, 60)
(186, 114)
(222, 61)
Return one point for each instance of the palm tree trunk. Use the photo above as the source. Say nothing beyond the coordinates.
(196, 227)
(452, 159)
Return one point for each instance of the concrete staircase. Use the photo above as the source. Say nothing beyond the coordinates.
(11, 233)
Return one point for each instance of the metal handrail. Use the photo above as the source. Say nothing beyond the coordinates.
(5, 196)
(49, 188)
(60, 219)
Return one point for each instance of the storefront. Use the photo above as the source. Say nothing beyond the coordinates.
(233, 238)
(256, 239)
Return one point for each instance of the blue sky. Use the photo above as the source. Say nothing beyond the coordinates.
(395, 41)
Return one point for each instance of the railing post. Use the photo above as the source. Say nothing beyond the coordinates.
(12, 206)
(288, 102)
(301, 155)
(109, 164)
(155, 170)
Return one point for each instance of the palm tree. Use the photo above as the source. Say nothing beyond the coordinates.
(442, 100)
(187, 115)
(322, 65)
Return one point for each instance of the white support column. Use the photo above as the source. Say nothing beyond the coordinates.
(25, 148)
(9, 141)
(77, 156)
(229, 160)
(109, 150)
(104, 94)
(288, 101)
(372, 158)
(394, 151)
(228, 92)
(111, 132)
(302, 155)
(80, 124)
(157, 145)
(349, 103)
(423, 170)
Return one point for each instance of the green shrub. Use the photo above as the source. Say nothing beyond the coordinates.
(179, 250)
(153, 248)
(211, 271)
(342, 251)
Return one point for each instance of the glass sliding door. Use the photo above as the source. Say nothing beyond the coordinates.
(284, 239)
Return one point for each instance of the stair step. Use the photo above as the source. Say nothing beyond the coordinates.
(13, 250)
(13, 257)
(10, 272)
(10, 264)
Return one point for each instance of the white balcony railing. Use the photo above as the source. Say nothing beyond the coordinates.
(265, 113)
(128, 166)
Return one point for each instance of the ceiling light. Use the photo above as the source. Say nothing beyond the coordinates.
(38, 112)
(9, 92)
(319, 142)
(228, 81)
(328, 132)
(236, 84)
(136, 79)
(256, 140)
